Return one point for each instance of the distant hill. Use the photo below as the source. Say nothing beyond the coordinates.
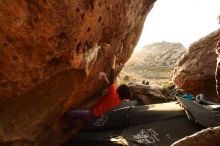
(153, 62)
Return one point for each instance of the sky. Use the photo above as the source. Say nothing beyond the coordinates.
(182, 21)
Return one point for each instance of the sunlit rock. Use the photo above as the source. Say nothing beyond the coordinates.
(195, 72)
(154, 62)
(50, 54)
(147, 94)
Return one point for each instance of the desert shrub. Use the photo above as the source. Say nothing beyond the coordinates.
(167, 87)
(126, 78)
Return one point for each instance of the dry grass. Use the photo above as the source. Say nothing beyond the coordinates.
(155, 75)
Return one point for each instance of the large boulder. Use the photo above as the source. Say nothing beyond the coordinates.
(147, 94)
(50, 54)
(206, 137)
(195, 72)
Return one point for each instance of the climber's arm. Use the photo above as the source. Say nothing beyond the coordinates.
(112, 71)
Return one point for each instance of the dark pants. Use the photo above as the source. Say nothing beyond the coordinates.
(78, 114)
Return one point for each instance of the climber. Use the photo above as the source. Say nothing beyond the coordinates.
(111, 99)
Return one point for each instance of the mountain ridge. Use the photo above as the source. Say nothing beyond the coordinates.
(153, 62)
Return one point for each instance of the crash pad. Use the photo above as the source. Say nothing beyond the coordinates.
(148, 125)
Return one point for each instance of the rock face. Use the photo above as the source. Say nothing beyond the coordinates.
(194, 73)
(209, 136)
(50, 55)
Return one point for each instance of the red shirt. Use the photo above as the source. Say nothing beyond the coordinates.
(106, 102)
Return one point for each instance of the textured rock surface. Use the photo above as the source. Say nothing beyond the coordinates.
(147, 94)
(206, 137)
(194, 73)
(50, 55)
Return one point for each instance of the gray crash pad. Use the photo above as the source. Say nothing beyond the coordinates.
(202, 114)
(149, 125)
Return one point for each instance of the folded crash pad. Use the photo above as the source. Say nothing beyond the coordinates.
(202, 114)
